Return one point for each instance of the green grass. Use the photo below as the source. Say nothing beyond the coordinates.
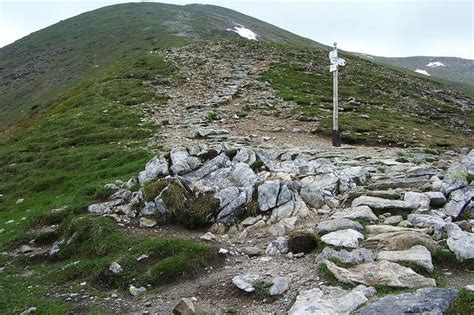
(91, 135)
(463, 304)
(382, 117)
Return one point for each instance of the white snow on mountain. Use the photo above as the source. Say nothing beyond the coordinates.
(244, 32)
(422, 72)
(435, 64)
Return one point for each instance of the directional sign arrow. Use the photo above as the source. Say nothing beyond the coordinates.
(332, 68)
(341, 62)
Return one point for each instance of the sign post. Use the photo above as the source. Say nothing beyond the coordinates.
(335, 63)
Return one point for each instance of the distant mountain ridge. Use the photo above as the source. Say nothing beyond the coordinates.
(452, 69)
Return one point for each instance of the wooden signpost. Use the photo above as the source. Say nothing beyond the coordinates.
(335, 63)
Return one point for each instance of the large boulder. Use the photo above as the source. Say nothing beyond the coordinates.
(433, 301)
(400, 240)
(380, 273)
(315, 188)
(427, 220)
(417, 255)
(382, 204)
(330, 300)
(457, 175)
(343, 238)
(182, 161)
(350, 177)
(268, 195)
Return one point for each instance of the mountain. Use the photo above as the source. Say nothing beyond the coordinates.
(131, 131)
(457, 72)
(37, 67)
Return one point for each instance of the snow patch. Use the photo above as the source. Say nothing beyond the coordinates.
(422, 72)
(244, 32)
(435, 64)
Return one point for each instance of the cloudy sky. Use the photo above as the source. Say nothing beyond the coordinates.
(379, 27)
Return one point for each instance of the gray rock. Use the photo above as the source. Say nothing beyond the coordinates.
(381, 228)
(380, 273)
(457, 174)
(182, 162)
(268, 195)
(278, 246)
(279, 285)
(184, 307)
(417, 200)
(412, 182)
(381, 204)
(330, 300)
(461, 243)
(148, 223)
(313, 188)
(231, 211)
(343, 238)
(156, 167)
(437, 198)
(357, 256)
(338, 224)
(205, 132)
(458, 201)
(115, 268)
(98, 208)
(432, 301)
(136, 291)
(422, 171)
(361, 212)
(418, 255)
(30, 310)
(246, 282)
(149, 208)
(246, 156)
(393, 220)
(350, 177)
(208, 237)
(252, 251)
(427, 220)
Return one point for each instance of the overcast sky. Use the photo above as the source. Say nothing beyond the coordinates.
(379, 27)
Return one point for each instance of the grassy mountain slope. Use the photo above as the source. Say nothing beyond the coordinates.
(34, 69)
(456, 72)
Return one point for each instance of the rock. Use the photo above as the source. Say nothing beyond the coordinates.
(357, 256)
(98, 208)
(246, 156)
(458, 201)
(350, 177)
(422, 171)
(205, 132)
(19, 201)
(437, 199)
(417, 255)
(268, 195)
(208, 237)
(30, 310)
(461, 243)
(433, 301)
(184, 307)
(393, 220)
(400, 240)
(411, 182)
(381, 228)
(338, 224)
(380, 273)
(381, 204)
(427, 220)
(457, 174)
(245, 282)
(223, 251)
(149, 208)
(148, 223)
(361, 212)
(136, 291)
(232, 200)
(343, 238)
(469, 287)
(313, 188)
(252, 251)
(156, 167)
(115, 268)
(279, 285)
(330, 300)
(182, 162)
(278, 246)
(251, 220)
(417, 200)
